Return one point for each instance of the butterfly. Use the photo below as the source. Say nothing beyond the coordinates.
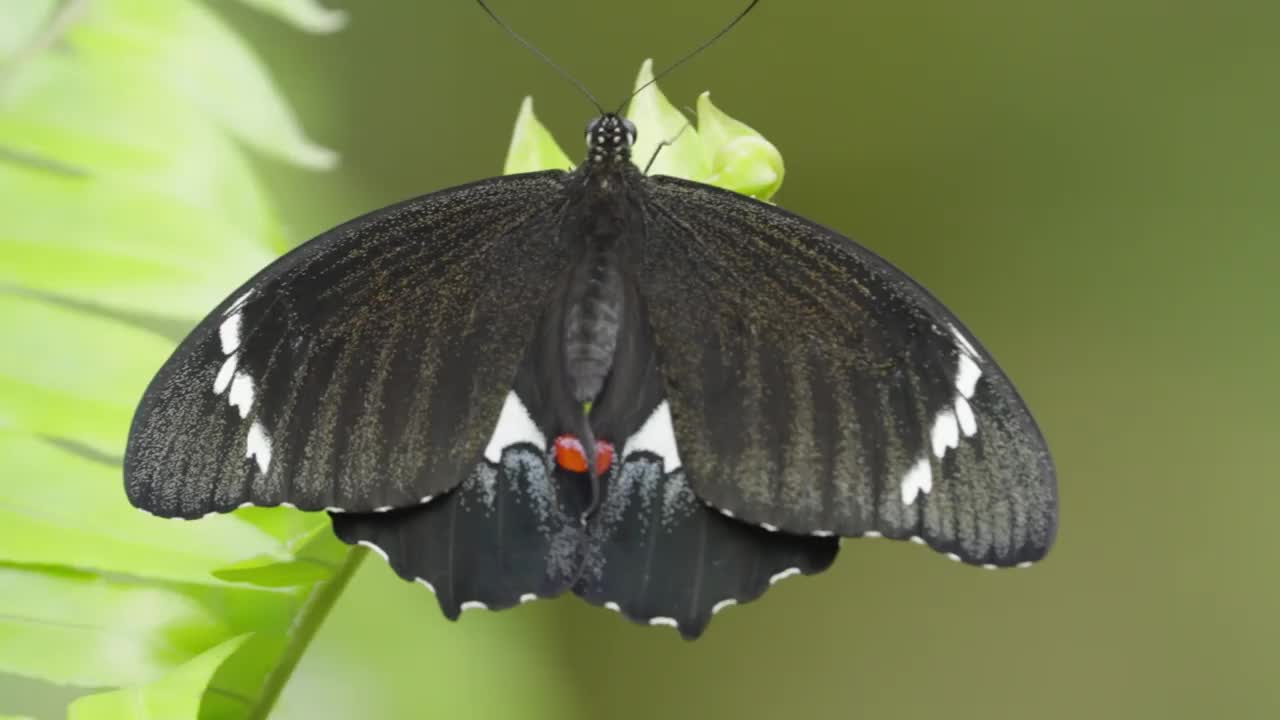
(658, 395)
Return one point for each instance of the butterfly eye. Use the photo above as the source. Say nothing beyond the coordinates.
(631, 131)
(591, 128)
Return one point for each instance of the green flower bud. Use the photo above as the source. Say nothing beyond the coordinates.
(720, 151)
(532, 147)
(658, 121)
(741, 159)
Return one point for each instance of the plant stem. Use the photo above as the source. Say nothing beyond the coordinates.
(310, 617)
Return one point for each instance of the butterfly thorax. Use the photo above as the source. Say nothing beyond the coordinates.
(609, 140)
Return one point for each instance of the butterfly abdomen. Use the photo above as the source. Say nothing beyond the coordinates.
(593, 318)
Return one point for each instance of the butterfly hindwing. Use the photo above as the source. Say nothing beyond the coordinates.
(820, 390)
(363, 371)
(660, 556)
(499, 539)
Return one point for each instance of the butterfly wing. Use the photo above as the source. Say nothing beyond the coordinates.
(660, 556)
(498, 540)
(512, 531)
(363, 371)
(815, 389)
(653, 551)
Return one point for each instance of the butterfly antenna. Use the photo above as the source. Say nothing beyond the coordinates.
(692, 53)
(542, 56)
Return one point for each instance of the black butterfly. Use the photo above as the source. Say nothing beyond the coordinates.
(661, 396)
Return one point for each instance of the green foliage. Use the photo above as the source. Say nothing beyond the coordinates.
(130, 209)
(176, 695)
(721, 151)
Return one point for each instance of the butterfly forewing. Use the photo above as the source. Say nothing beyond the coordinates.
(363, 371)
(817, 389)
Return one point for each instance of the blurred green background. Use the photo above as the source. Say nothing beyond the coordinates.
(1092, 186)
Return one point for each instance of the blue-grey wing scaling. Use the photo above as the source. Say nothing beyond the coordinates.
(816, 389)
(660, 556)
(500, 539)
(363, 371)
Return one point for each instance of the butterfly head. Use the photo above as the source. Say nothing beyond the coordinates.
(609, 138)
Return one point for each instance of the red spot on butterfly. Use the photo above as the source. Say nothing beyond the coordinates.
(571, 456)
(604, 456)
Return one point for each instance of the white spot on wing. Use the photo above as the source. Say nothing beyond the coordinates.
(917, 539)
(472, 605)
(964, 344)
(726, 603)
(726, 513)
(784, 575)
(964, 414)
(1024, 564)
(384, 508)
(668, 621)
(822, 533)
(426, 584)
(229, 334)
(919, 479)
(770, 528)
(611, 605)
(946, 432)
(237, 303)
(950, 422)
(515, 425)
(953, 557)
(223, 380)
(527, 598)
(967, 375)
(258, 446)
(241, 395)
(375, 548)
(872, 534)
(657, 436)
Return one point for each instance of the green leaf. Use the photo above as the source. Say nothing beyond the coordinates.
(741, 159)
(175, 697)
(86, 630)
(532, 147)
(658, 121)
(184, 47)
(45, 376)
(303, 14)
(291, 528)
(23, 20)
(267, 571)
(314, 558)
(122, 247)
(58, 508)
(97, 118)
